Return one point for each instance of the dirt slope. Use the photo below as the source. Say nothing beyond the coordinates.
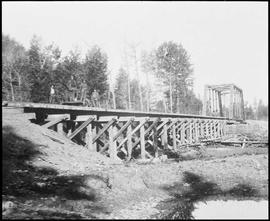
(56, 151)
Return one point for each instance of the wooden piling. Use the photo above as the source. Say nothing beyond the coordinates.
(142, 142)
(129, 142)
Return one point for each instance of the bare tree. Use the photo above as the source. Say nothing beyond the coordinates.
(134, 56)
(127, 68)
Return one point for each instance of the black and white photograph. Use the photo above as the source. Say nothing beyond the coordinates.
(135, 110)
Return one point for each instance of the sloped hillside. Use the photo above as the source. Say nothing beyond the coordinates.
(39, 163)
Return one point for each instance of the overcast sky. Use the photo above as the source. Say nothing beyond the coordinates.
(227, 41)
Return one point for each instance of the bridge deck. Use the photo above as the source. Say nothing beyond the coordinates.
(80, 110)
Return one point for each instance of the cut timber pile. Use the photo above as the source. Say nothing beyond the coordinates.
(253, 132)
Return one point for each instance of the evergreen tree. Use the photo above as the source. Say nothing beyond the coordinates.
(262, 111)
(38, 75)
(95, 69)
(135, 96)
(121, 90)
(70, 67)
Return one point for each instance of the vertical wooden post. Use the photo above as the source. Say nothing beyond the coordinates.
(220, 104)
(242, 106)
(165, 136)
(208, 128)
(129, 142)
(202, 128)
(216, 129)
(174, 136)
(112, 144)
(214, 102)
(231, 111)
(217, 104)
(212, 128)
(219, 129)
(60, 128)
(222, 128)
(182, 131)
(94, 133)
(142, 141)
(89, 137)
(196, 131)
(190, 131)
(210, 101)
(155, 140)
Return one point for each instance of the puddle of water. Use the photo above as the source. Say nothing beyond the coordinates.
(231, 209)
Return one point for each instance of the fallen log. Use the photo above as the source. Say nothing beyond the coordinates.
(241, 142)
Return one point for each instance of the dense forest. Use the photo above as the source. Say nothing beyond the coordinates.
(28, 74)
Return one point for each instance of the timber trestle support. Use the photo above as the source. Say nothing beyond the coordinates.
(125, 135)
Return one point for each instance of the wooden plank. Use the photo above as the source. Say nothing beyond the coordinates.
(86, 123)
(56, 121)
(123, 128)
(105, 127)
(82, 110)
(83, 118)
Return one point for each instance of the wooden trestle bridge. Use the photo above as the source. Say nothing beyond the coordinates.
(132, 134)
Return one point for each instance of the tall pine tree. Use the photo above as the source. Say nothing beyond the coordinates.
(95, 70)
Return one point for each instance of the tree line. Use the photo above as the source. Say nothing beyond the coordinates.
(28, 74)
(259, 111)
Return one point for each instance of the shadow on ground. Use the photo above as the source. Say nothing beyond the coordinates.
(193, 189)
(22, 182)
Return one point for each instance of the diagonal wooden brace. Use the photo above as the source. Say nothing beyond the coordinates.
(103, 129)
(146, 132)
(123, 128)
(56, 121)
(85, 124)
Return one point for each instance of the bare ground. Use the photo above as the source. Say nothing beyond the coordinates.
(47, 176)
